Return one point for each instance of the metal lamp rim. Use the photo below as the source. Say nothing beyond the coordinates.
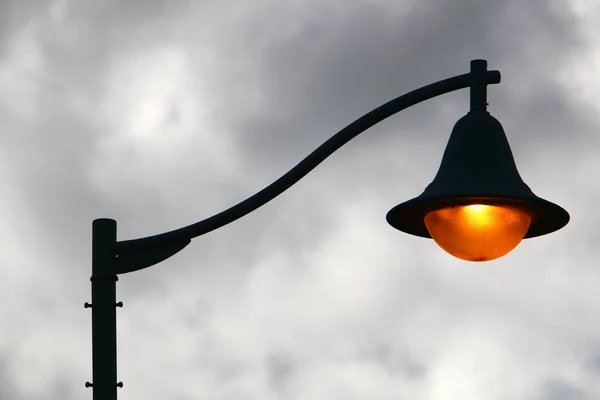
(409, 217)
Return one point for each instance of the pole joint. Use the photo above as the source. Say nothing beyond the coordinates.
(96, 277)
(91, 385)
(478, 85)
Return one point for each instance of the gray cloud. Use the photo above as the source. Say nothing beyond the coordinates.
(158, 114)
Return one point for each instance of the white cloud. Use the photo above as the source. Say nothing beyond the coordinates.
(159, 115)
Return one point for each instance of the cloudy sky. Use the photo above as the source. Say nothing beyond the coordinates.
(161, 113)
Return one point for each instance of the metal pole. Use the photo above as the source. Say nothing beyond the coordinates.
(104, 315)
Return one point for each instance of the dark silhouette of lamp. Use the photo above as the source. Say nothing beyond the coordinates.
(477, 208)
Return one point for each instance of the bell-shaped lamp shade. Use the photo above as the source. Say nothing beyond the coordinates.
(478, 208)
(478, 232)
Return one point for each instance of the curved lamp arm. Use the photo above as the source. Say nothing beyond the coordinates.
(110, 258)
(143, 252)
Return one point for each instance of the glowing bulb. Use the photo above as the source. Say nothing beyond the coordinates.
(478, 232)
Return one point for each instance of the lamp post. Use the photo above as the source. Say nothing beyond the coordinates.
(477, 208)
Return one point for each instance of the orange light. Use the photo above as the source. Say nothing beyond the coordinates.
(478, 232)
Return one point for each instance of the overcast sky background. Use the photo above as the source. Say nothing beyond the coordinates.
(161, 113)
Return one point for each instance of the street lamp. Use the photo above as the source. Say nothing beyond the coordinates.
(477, 208)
